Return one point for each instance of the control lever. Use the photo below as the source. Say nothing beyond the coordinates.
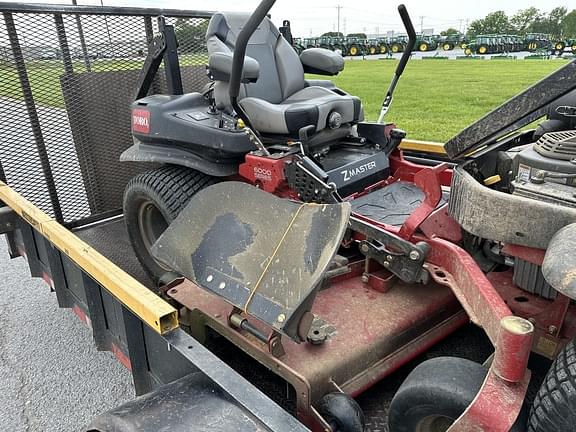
(402, 64)
(304, 136)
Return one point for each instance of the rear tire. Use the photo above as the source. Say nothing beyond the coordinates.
(554, 407)
(152, 200)
(436, 393)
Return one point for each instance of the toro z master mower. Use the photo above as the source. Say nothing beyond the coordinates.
(287, 224)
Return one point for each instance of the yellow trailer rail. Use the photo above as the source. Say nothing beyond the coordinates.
(150, 308)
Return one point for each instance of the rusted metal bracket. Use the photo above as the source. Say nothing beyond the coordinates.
(273, 340)
(428, 180)
(396, 254)
(495, 407)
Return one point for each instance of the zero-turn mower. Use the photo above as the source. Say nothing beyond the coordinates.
(288, 224)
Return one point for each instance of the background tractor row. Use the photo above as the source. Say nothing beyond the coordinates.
(494, 44)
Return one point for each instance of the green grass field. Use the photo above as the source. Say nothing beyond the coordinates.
(433, 100)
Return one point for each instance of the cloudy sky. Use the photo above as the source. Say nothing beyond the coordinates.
(314, 17)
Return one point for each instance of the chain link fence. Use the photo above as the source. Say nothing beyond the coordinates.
(67, 78)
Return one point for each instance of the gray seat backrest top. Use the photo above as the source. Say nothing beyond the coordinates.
(281, 72)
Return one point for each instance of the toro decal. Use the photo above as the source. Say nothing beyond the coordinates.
(141, 121)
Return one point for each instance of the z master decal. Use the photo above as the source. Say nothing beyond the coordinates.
(353, 172)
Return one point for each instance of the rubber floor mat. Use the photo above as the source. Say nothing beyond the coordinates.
(391, 204)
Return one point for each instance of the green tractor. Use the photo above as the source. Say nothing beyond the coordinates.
(356, 46)
(338, 44)
(325, 42)
(426, 43)
(560, 46)
(373, 46)
(537, 41)
(398, 44)
(383, 45)
(491, 44)
(449, 42)
(310, 43)
(298, 45)
(512, 43)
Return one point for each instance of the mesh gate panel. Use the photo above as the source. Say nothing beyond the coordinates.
(66, 84)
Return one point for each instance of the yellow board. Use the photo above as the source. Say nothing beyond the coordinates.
(422, 146)
(150, 308)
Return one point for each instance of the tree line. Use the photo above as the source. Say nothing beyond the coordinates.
(559, 23)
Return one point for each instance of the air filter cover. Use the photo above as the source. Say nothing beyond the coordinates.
(557, 145)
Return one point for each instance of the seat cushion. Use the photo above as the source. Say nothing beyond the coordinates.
(309, 106)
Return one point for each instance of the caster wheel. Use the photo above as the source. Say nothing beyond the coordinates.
(341, 412)
(436, 393)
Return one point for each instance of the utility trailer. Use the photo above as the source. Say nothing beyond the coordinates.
(493, 405)
(173, 369)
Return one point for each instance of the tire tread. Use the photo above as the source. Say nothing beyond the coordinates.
(554, 407)
(171, 187)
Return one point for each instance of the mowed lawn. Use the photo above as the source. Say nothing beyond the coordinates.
(434, 99)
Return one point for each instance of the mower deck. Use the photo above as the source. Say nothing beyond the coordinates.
(375, 333)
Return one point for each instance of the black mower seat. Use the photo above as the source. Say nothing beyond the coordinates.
(263, 254)
(274, 93)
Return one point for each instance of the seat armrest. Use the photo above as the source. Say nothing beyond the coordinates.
(220, 67)
(320, 83)
(321, 61)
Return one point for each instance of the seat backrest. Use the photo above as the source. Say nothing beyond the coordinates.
(281, 72)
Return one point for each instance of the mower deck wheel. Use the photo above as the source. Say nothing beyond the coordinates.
(436, 393)
(554, 407)
(152, 200)
(341, 412)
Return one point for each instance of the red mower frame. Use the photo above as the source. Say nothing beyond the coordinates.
(483, 297)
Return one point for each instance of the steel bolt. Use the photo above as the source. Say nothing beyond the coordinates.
(552, 329)
(281, 318)
(365, 278)
(364, 247)
(389, 258)
(209, 278)
(414, 255)
(386, 264)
